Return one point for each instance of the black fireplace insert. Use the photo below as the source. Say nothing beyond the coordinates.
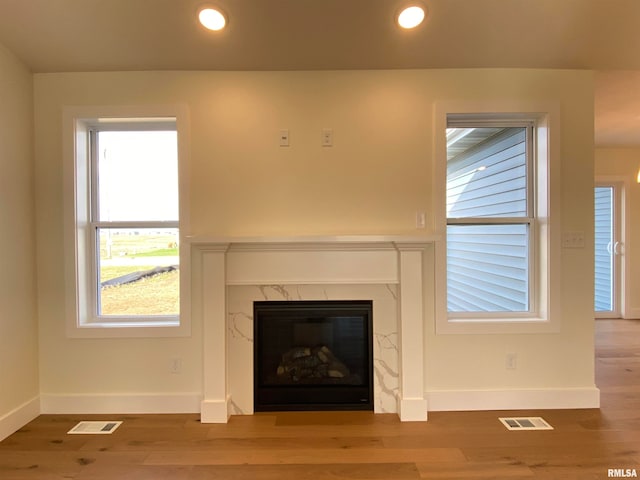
(313, 355)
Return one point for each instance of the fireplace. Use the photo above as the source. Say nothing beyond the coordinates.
(313, 355)
(231, 274)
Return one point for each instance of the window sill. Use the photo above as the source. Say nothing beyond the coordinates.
(129, 330)
(495, 326)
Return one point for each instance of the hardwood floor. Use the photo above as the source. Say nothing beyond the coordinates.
(352, 445)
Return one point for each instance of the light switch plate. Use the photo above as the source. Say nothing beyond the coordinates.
(327, 137)
(573, 239)
(284, 137)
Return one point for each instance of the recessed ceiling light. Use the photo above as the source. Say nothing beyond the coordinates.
(411, 17)
(212, 19)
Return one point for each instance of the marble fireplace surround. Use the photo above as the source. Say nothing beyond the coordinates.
(233, 272)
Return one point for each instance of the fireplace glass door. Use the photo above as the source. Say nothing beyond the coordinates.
(313, 355)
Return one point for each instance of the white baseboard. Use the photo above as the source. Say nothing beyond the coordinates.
(110, 403)
(215, 411)
(525, 399)
(632, 313)
(218, 411)
(19, 417)
(412, 409)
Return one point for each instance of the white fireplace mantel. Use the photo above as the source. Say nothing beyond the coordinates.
(340, 260)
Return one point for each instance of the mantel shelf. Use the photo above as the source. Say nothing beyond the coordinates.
(351, 242)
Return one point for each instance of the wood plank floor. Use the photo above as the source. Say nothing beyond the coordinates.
(352, 445)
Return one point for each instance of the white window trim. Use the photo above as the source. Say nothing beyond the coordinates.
(545, 316)
(81, 322)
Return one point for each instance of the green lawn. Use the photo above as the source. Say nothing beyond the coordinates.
(144, 245)
(160, 252)
(157, 295)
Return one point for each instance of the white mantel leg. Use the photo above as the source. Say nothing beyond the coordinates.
(412, 406)
(215, 405)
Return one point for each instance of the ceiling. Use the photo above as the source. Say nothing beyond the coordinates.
(106, 35)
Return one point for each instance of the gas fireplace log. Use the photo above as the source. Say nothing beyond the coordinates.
(306, 362)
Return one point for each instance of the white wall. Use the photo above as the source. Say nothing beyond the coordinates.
(18, 320)
(372, 181)
(624, 164)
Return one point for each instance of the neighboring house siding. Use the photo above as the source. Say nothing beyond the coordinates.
(487, 265)
(487, 268)
(603, 257)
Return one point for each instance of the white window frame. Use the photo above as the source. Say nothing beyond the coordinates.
(621, 185)
(544, 180)
(80, 251)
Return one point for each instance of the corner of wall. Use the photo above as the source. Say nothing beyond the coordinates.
(19, 417)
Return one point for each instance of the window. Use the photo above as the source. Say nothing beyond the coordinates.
(605, 249)
(134, 219)
(490, 217)
(494, 188)
(128, 264)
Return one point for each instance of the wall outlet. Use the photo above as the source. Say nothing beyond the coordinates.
(511, 361)
(175, 365)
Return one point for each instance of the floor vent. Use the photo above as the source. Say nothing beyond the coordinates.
(525, 423)
(94, 428)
